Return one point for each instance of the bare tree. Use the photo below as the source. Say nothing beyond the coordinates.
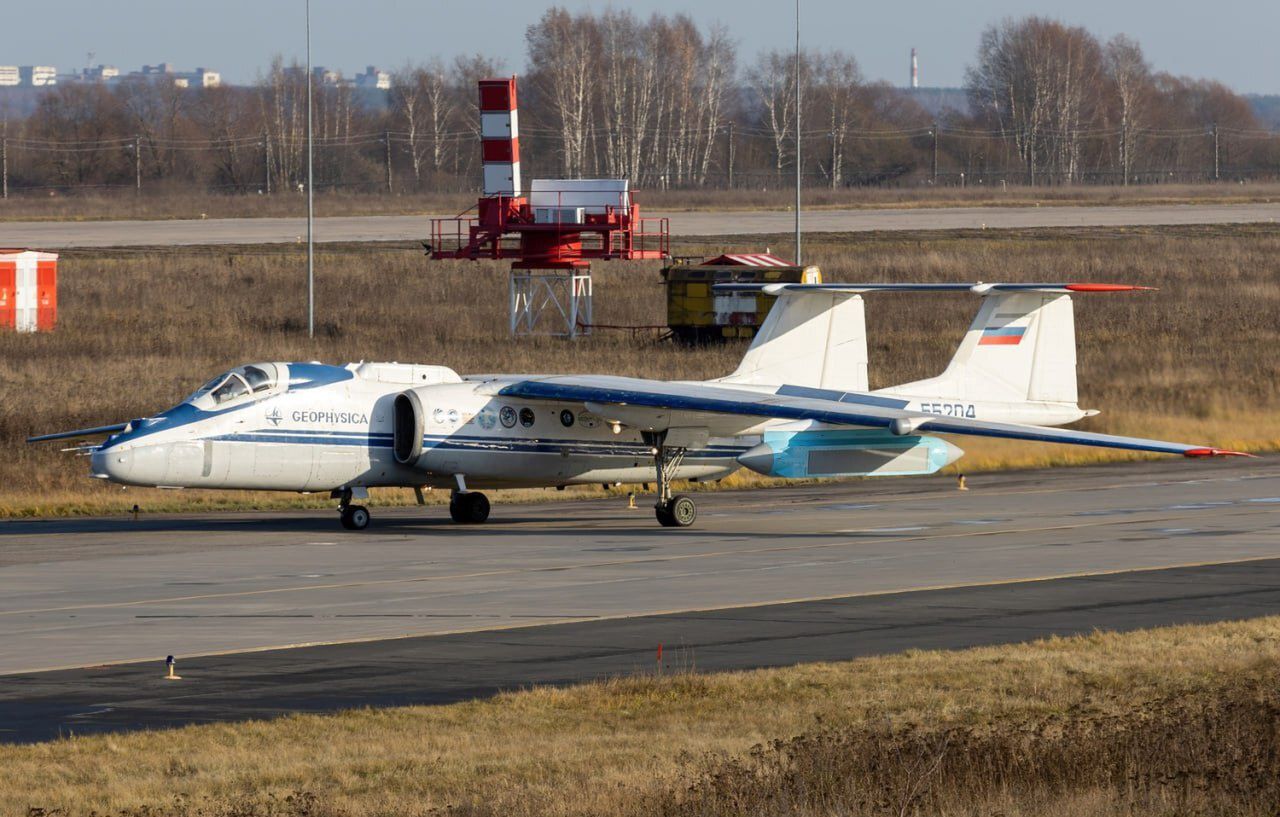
(837, 82)
(773, 79)
(226, 117)
(1037, 80)
(1130, 76)
(155, 109)
(629, 68)
(422, 104)
(562, 66)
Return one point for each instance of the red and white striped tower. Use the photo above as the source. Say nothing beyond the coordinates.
(915, 70)
(499, 137)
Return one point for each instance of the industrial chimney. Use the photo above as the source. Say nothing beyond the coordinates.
(915, 70)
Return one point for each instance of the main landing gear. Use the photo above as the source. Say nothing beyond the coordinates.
(471, 508)
(467, 507)
(677, 511)
(352, 517)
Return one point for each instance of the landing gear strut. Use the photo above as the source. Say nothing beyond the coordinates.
(677, 511)
(353, 517)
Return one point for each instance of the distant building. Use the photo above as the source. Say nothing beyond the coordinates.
(101, 73)
(9, 75)
(199, 78)
(373, 78)
(35, 76)
(324, 76)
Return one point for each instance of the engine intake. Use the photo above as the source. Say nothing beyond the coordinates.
(408, 423)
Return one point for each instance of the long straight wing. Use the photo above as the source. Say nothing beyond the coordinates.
(99, 431)
(850, 409)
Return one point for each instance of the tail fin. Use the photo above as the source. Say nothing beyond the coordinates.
(1021, 347)
(816, 339)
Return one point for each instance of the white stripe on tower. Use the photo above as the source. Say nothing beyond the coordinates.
(499, 137)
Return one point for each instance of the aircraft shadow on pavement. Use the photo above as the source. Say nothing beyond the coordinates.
(321, 524)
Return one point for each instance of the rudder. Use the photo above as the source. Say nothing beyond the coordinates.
(816, 339)
(1020, 348)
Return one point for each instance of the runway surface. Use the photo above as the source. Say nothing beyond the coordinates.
(418, 610)
(62, 234)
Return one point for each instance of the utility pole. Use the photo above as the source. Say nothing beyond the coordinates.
(935, 154)
(1217, 166)
(386, 138)
(137, 165)
(798, 263)
(311, 254)
(4, 164)
(266, 161)
(730, 162)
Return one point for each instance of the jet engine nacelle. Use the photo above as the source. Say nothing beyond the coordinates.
(408, 422)
(841, 453)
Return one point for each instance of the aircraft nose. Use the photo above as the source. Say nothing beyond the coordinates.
(114, 463)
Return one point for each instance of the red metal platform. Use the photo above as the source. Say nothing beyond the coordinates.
(508, 228)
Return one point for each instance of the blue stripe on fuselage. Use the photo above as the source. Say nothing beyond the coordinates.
(469, 443)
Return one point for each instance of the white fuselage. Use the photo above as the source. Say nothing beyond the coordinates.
(329, 428)
(340, 434)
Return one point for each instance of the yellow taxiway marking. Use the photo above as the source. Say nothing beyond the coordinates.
(559, 568)
(647, 613)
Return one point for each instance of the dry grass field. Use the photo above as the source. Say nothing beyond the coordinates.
(178, 203)
(140, 329)
(1162, 722)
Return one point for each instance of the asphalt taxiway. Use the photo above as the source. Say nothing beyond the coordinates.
(270, 613)
(180, 232)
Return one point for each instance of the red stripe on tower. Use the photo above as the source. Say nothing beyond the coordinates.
(499, 137)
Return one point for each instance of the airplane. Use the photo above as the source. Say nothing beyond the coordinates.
(797, 406)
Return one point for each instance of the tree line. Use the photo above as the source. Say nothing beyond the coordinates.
(667, 104)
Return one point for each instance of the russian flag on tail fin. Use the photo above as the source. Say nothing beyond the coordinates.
(1002, 335)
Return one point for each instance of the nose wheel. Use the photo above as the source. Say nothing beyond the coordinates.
(672, 511)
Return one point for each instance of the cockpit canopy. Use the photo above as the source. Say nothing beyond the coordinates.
(240, 384)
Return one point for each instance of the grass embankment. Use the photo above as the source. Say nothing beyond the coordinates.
(184, 204)
(1168, 721)
(139, 329)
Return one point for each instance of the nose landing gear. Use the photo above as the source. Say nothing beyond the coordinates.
(677, 511)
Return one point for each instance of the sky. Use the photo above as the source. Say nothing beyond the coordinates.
(1234, 41)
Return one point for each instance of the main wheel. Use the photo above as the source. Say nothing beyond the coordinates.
(678, 512)
(683, 511)
(471, 508)
(663, 513)
(355, 517)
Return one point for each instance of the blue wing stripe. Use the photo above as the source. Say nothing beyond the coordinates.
(696, 397)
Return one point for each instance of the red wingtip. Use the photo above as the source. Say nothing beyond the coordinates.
(1107, 288)
(1216, 452)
